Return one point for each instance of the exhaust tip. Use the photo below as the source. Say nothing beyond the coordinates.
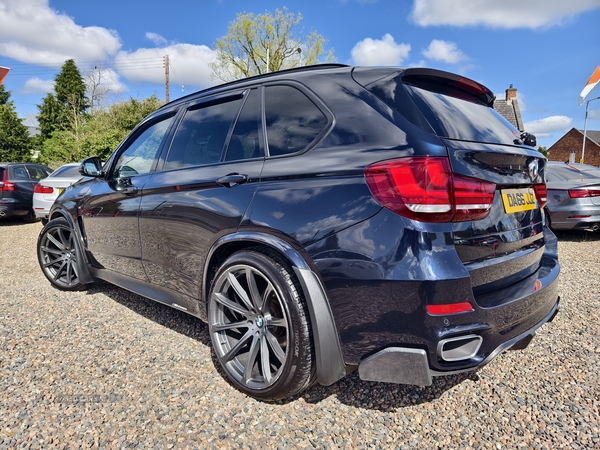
(459, 348)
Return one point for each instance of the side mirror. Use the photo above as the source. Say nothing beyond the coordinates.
(91, 167)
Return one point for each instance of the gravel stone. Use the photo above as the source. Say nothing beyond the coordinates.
(104, 368)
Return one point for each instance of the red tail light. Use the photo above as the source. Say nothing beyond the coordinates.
(541, 194)
(585, 192)
(7, 185)
(425, 189)
(39, 189)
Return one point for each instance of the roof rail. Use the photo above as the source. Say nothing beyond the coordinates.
(258, 77)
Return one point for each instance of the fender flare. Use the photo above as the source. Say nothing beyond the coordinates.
(84, 274)
(328, 351)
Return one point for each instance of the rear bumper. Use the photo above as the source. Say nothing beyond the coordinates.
(10, 207)
(411, 366)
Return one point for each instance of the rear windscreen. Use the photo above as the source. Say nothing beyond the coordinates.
(450, 108)
(453, 118)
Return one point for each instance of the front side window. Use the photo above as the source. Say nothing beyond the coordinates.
(200, 138)
(141, 154)
(293, 120)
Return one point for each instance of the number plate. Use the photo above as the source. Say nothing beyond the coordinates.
(60, 190)
(516, 200)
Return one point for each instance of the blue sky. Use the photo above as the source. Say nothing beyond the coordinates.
(547, 49)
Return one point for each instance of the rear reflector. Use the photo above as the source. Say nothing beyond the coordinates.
(449, 308)
(425, 189)
(582, 193)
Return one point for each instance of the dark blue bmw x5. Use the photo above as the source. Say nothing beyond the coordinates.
(322, 220)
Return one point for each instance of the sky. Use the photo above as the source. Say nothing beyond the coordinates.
(547, 49)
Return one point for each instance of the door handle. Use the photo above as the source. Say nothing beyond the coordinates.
(232, 179)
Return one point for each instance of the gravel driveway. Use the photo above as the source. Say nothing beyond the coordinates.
(105, 368)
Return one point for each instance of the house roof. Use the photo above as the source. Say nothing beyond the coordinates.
(509, 109)
(592, 135)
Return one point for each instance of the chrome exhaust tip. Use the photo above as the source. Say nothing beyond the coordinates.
(459, 348)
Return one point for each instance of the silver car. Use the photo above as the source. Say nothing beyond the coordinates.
(573, 196)
(49, 188)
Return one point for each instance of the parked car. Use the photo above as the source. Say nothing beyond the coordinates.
(17, 181)
(573, 196)
(48, 189)
(322, 220)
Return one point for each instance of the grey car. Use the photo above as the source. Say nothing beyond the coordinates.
(573, 196)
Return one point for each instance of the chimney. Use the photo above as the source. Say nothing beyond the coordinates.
(511, 93)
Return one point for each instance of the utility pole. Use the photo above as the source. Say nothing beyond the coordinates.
(166, 78)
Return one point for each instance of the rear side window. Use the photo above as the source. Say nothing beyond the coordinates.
(201, 136)
(245, 140)
(293, 121)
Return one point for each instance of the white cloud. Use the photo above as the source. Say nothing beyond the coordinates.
(444, 51)
(156, 38)
(188, 65)
(37, 86)
(380, 52)
(545, 127)
(498, 14)
(594, 114)
(32, 32)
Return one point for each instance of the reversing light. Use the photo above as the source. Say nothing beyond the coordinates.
(449, 308)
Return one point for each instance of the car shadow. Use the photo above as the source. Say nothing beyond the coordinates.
(350, 390)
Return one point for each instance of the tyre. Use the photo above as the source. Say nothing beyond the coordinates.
(57, 255)
(30, 217)
(259, 326)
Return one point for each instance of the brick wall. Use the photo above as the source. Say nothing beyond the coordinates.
(573, 141)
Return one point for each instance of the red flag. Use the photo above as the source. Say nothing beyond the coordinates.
(591, 83)
(3, 72)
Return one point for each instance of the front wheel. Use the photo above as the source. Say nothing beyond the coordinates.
(57, 255)
(259, 326)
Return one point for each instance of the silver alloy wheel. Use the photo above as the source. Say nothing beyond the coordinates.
(249, 327)
(58, 257)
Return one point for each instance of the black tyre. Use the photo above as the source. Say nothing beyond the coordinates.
(30, 217)
(259, 326)
(57, 255)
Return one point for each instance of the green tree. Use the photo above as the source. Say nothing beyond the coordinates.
(101, 133)
(48, 117)
(15, 143)
(4, 95)
(64, 110)
(543, 150)
(257, 44)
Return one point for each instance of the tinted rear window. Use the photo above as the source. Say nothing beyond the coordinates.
(453, 118)
(443, 108)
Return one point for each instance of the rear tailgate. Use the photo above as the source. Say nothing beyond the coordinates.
(508, 245)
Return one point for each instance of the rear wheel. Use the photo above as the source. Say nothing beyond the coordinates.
(30, 217)
(57, 255)
(259, 326)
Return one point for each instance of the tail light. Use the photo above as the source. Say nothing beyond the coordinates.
(425, 189)
(541, 194)
(39, 189)
(7, 185)
(585, 192)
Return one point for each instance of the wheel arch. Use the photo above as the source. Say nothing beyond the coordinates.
(328, 352)
(84, 273)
